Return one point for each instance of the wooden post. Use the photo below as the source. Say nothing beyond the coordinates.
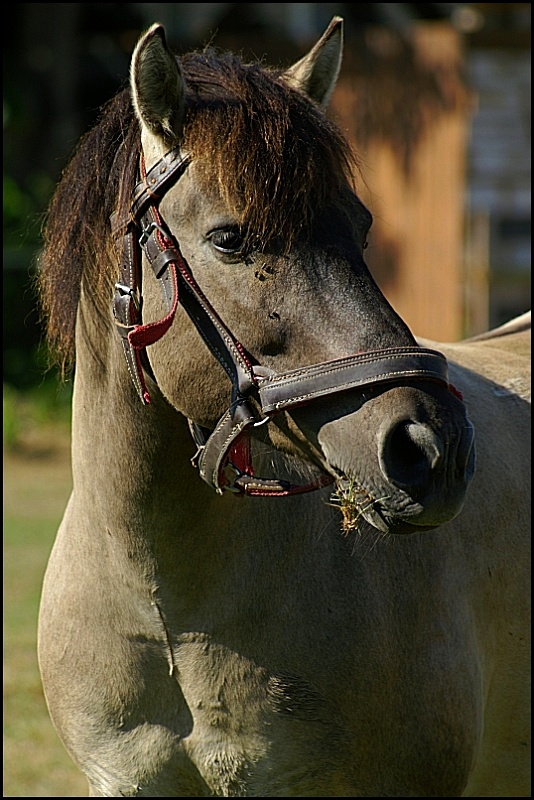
(416, 248)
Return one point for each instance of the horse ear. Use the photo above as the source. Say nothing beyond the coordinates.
(157, 85)
(316, 74)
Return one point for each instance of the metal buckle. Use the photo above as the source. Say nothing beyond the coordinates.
(261, 421)
(147, 232)
(127, 290)
(230, 486)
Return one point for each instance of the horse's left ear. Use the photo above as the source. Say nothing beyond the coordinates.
(157, 86)
(316, 74)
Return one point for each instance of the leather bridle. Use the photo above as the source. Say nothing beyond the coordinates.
(223, 456)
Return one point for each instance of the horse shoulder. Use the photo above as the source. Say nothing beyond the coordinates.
(492, 371)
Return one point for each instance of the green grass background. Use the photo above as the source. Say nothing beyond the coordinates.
(37, 483)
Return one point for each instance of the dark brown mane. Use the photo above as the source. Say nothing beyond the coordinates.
(76, 235)
(275, 157)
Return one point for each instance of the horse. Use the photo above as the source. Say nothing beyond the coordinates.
(294, 562)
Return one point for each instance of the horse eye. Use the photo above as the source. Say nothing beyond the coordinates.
(227, 240)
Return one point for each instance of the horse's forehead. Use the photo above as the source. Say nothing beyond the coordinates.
(197, 197)
(192, 192)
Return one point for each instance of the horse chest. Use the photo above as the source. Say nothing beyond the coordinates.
(253, 734)
(258, 710)
(245, 732)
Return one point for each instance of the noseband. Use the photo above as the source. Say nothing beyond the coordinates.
(223, 456)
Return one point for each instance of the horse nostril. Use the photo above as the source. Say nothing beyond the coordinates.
(409, 452)
(426, 440)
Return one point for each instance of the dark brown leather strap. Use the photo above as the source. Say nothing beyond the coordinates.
(127, 302)
(158, 181)
(219, 467)
(212, 456)
(303, 385)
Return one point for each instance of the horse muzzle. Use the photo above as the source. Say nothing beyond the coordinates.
(403, 461)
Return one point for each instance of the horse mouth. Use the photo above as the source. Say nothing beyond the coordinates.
(358, 505)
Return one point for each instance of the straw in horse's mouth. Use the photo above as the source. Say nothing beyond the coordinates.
(353, 500)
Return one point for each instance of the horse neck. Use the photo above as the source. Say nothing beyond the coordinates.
(136, 457)
(132, 463)
(138, 503)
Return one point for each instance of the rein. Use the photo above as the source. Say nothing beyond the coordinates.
(223, 456)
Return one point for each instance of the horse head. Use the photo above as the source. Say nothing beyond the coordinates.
(244, 298)
(264, 223)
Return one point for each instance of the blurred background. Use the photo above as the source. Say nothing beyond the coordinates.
(435, 98)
